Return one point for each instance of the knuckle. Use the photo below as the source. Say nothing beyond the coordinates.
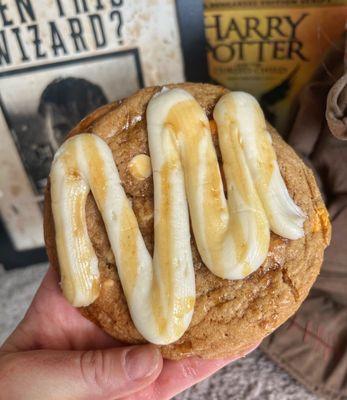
(189, 368)
(94, 370)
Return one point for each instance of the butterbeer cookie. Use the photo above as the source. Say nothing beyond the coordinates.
(178, 217)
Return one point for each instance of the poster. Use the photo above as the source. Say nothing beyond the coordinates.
(59, 60)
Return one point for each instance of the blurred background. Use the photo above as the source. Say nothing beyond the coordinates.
(288, 53)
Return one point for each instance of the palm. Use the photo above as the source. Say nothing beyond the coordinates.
(51, 323)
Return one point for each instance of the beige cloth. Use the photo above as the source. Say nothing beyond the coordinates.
(312, 346)
(336, 113)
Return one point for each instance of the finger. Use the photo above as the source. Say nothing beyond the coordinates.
(101, 374)
(51, 322)
(25, 335)
(63, 326)
(177, 376)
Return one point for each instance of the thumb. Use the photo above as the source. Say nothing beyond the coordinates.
(96, 374)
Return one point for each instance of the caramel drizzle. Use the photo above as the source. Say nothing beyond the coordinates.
(232, 234)
(223, 228)
(160, 292)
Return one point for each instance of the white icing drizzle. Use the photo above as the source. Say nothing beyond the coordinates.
(160, 292)
(232, 234)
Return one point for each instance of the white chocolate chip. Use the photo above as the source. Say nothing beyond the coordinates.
(108, 283)
(140, 166)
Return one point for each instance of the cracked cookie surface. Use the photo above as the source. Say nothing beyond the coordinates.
(229, 316)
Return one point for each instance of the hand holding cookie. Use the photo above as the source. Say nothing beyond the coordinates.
(179, 217)
(55, 353)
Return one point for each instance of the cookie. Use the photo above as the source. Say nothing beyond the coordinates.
(229, 315)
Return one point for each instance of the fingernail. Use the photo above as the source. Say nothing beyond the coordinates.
(141, 362)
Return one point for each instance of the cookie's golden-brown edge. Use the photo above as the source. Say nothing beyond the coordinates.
(229, 316)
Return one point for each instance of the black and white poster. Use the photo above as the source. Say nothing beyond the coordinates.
(60, 60)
